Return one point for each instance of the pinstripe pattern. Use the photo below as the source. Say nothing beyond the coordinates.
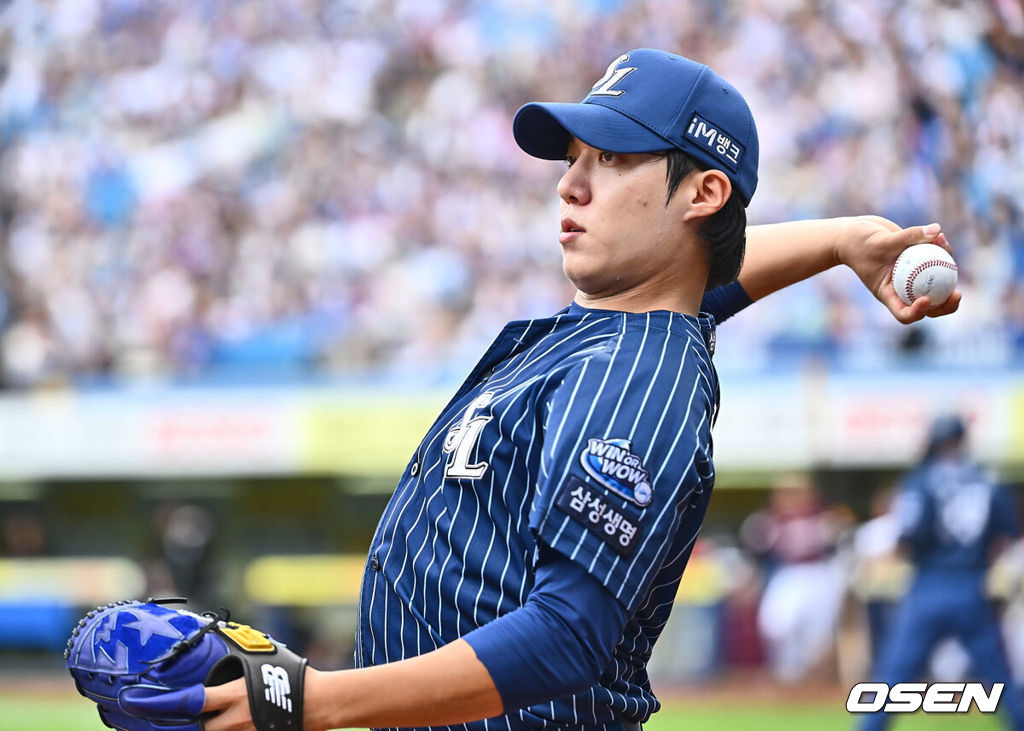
(452, 552)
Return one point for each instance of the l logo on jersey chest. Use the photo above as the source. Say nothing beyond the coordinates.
(461, 441)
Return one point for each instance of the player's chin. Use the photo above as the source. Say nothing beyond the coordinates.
(578, 271)
(594, 286)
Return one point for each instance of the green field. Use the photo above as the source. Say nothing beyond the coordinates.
(57, 712)
(741, 716)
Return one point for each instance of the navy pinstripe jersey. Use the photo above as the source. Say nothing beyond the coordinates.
(590, 431)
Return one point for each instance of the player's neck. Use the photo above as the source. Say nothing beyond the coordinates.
(673, 296)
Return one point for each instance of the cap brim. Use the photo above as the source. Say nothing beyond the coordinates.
(543, 129)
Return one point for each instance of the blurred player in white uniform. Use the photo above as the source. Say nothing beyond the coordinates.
(798, 537)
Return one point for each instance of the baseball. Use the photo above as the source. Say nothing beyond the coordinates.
(924, 269)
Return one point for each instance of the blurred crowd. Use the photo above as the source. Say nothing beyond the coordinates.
(236, 189)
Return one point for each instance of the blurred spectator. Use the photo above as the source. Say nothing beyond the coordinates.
(22, 535)
(798, 538)
(185, 532)
(953, 520)
(290, 189)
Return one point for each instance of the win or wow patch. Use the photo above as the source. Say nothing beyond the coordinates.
(614, 465)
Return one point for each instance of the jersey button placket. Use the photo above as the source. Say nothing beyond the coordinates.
(374, 562)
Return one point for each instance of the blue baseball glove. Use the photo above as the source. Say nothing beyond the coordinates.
(145, 666)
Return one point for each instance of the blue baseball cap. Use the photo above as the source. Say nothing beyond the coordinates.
(648, 101)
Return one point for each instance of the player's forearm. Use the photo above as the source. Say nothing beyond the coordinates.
(781, 254)
(446, 686)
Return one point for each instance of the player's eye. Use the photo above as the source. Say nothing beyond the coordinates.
(607, 156)
(569, 160)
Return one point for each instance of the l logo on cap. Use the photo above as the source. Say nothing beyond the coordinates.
(611, 77)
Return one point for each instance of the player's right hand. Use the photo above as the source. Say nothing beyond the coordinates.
(870, 247)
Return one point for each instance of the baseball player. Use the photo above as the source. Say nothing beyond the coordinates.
(952, 521)
(530, 554)
(799, 540)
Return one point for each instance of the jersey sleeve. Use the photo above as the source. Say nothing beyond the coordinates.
(725, 301)
(914, 511)
(557, 643)
(626, 448)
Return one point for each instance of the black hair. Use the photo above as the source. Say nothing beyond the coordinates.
(724, 232)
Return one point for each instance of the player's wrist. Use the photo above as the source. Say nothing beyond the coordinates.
(850, 232)
(324, 701)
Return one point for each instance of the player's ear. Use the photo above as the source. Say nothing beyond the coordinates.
(707, 191)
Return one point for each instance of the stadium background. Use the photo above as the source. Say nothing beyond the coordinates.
(247, 249)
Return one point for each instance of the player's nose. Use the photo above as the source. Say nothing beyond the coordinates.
(574, 187)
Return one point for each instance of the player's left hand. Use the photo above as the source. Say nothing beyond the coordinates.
(870, 247)
(149, 666)
(230, 702)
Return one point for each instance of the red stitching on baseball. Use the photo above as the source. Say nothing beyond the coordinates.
(912, 275)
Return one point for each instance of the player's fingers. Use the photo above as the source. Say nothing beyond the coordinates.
(917, 311)
(892, 243)
(919, 234)
(905, 313)
(230, 703)
(930, 232)
(233, 719)
(219, 697)
(942, 241)
(948, 307)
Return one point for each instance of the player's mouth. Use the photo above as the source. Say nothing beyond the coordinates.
(570, 231)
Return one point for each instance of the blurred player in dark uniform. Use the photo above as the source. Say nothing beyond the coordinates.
(953, 521)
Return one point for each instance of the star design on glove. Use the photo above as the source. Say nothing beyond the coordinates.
(149, 624)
